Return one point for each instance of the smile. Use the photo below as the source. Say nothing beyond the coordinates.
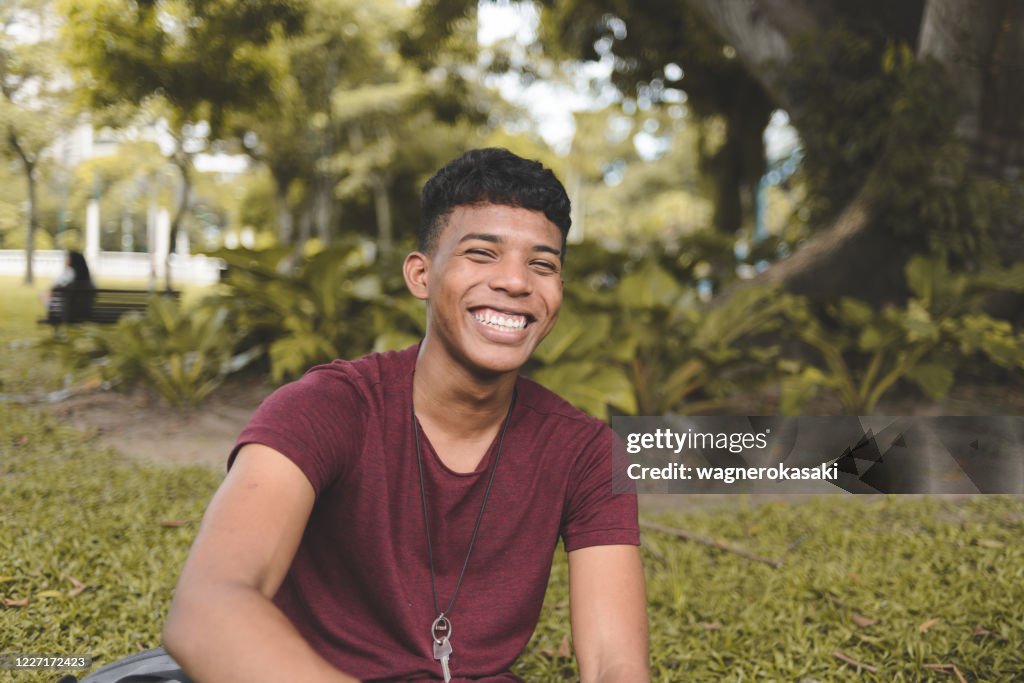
(501, 320)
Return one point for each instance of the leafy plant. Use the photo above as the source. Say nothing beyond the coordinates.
(864, 352)
(645, 345)
(182, 353)
(335, 304)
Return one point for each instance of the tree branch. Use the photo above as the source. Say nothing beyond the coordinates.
(703, 540)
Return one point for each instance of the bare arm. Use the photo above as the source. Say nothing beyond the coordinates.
(609, 614)
(222, 625)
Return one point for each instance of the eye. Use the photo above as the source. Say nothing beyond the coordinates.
(480, 253)
(545, 266)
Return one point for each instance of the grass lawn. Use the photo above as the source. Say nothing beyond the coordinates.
(91, 545)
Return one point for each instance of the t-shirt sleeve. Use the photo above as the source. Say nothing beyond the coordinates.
(594, 514)
(317, 422)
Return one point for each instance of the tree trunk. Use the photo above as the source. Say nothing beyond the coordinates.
(285, 218)
(382, 208)
(324, 180)
(305, 227)
(322, 208)
(736, 167)
(851, 258)
(33, 220)
(28, 164)
(183, 161)
(761, 32)
(981, 49)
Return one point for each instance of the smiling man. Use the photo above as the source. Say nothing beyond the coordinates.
(394, 518)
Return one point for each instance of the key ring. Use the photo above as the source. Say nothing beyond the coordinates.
(445, 627)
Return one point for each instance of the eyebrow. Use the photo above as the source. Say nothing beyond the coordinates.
(488, 237)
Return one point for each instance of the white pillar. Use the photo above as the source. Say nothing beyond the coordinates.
(151, 238)
(92, 233)
(162, 242)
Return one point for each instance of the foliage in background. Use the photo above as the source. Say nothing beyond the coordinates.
(640, 343)
(632, 338)
(183, 353)
(91, 547)
(882, 110)
(864, 352)
(342, 302)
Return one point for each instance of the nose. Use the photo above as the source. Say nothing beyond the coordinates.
(511, 277)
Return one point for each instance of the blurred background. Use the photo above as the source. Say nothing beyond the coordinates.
(778, 206)
(799, 207)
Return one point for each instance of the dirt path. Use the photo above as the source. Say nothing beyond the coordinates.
(141, 427)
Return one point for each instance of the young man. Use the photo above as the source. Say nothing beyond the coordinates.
(394, 518)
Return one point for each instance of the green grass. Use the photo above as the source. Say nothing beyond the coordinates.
(899, 562)
(71, 509)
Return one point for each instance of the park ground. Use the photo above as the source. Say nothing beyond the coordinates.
(101, 494)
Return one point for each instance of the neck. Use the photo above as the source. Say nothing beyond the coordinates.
(450, 396)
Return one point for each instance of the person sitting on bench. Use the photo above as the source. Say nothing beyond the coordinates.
(71, 296)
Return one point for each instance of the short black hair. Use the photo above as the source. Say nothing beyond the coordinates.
(492, 175)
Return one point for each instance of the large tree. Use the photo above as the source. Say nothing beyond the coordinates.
(908, 112)
(350, 125)
(936, 163)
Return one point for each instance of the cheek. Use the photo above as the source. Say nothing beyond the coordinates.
(553, 297)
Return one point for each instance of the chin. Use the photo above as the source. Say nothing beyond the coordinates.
(497, 361)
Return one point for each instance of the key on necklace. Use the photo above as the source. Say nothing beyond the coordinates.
(442, 651)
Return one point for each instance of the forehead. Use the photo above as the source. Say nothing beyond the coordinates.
(509, 223)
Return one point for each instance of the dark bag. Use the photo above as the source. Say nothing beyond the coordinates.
(149, 666)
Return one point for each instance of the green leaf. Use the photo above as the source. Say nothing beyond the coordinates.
(934, 379)
(650, 287)
(367, 288)
(922, 275)
(393, 341)
(798, 390)
(590, 386)
(569, 328)
(918, 323)
(854, 313)
(871, 338)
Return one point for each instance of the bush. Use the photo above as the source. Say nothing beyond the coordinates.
(864, 352)
(183, 353)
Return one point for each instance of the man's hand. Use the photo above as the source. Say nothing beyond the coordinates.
(609, 614)
(222, 625)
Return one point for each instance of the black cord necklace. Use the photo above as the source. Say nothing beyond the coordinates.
(441, 629)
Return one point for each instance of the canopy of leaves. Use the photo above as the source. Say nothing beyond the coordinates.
(200, 55)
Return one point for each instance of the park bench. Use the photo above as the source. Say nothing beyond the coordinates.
(104, 306)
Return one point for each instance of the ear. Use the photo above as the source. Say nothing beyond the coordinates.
(415, 270)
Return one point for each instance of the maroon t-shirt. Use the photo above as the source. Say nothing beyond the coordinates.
(359, 588)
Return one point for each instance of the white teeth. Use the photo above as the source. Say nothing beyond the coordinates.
(501, 322)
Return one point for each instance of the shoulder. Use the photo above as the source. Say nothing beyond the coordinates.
(558, 418)
(339, 393)
(319, 420)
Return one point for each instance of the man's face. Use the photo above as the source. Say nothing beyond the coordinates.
(493, 286)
